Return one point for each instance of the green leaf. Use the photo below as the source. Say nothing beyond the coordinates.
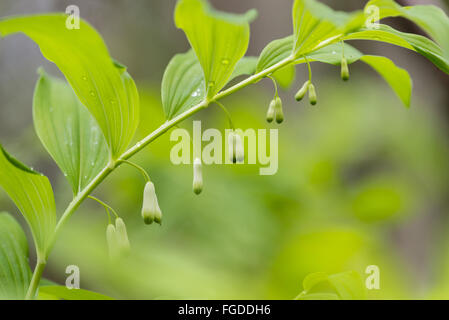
(81, 55)
(340, 286)
(245, 66)
(182, 84)
(348, 285)
(313, 279)
(315, 25)
(333, 53)
(219, 39)
(318, 296)
(430, 18)
(285, 76)
(275, 52)
(62, 292)
(15, 273)
(280, 49)
(33, 195)
(398, 78)
(417, 43)
(68, 131)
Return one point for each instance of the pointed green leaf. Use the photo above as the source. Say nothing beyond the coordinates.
(340, 286)
(318, 296)
(285, 76)
(219, 39)
(245, 66)
(332, 54)
(313, 279)
(68, 131)
(420, 44)
(348, 285)
(315, 25)
(280, 49)
(183, 82)
(15, 273)
(33, 195)
(430, 18)
(398, 78)
(274, 52)
(83, 58)
(62, 292)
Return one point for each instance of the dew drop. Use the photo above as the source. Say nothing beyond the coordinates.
(334, 52)
(92, 93)
(225, 62)
(211, 84)
(196, 93)
(84, 78)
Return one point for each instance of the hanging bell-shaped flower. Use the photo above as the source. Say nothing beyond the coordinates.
(271, 111)
(122, 236)
(111, 239)
(150, 208)
(312, 95)
(197, 176)
(302, 92)
(236, 150)
(344, 69)
(239, 149)
(278, 110)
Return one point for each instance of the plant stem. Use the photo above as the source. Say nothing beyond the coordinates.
(37, 274)
(142, 170)
(228, 115)
(105, 205)
(113, 164)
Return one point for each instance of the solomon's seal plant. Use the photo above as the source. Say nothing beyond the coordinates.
(87, 121)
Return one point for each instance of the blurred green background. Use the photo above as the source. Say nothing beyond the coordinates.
(362, 180)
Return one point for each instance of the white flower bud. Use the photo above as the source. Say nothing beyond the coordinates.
(278, 110)
(197, 176)
(271, 111)
(344, 69)
(239, 150)
(122, 237)
(150, 208)
(236, 150)
(111, 239)
(302, 92)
